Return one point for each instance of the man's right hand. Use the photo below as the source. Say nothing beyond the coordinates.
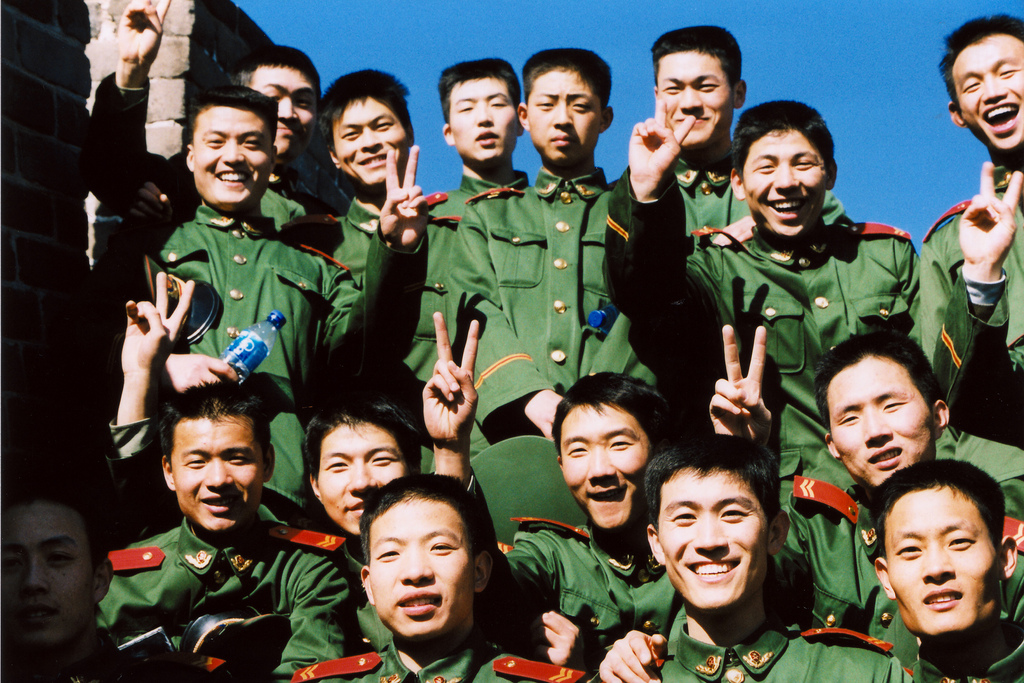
(151, 205)
(633, 659)
(653, 151)
(540, 410)
(185, 370)
(138, 41)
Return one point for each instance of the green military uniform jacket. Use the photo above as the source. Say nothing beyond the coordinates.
(843, 279)
(531, 266)
(556, 567)
(774, 654)
(1008, 670)
(181, 577)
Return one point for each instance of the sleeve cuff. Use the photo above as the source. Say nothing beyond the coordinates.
(132, 438)
(985, 293)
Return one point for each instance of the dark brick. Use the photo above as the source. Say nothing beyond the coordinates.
(74, 19)
(40, 10)
(230, 48)
(8, 149)
(27, 209)
(9, 36)
(14, 377)
(50, 163)
(205, 72)
(50, 266)
(71, 223)
(204, 29)
(20, 315)
(72, 119)
(27, 101)
(8, 262)
(59, 319)
(55, 60)
(225, 11)
(252, 34)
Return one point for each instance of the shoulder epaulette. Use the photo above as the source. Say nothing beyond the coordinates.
(191, 659)
(871, 229)
(945, 218)
(1014, 528)
(516, 667)
(314, 539)
(722, 237)
(311, 219)
(496, 193)
(128, 559)
(445, 219)
(330, 259)
(437, 198)
(505, 548)
(527, 522)
(346, 666)
(826, 494)
(848, 636)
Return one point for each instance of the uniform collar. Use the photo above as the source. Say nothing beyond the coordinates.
(474, 186)
(1001, 176)
(757, 654)
(284, 179)
(255, 227)
(587, 187)
(363, 217)
(716, 173)
(460, 666)
(632, 568)
(201, 556)
(802, 253)
(1003, 671)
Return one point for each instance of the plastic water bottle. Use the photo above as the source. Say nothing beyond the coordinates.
(603, 318)
(253, 345)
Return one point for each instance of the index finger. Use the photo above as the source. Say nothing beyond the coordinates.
(660, 111)
(161, 10)
(757, 355)
(733, 369)
(469, 353)
(410, 166)
(1012, 196)
(391, 171)
(988, 184)
(444, 346)
(181, 310)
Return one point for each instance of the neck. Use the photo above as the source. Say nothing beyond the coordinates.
(725, 628)
(49, 663)
(502, 174)
(629, 540)
(416, 655)
(569, 172)
(255, 212)
(1012, 159)
(371, 200)
(221, 539)
(705, 156)
(961, 656)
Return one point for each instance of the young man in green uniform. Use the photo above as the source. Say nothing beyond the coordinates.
(810, 282)
(983, 69)
(716, 523)
(424, 542)
(114, 158)
(944, 555)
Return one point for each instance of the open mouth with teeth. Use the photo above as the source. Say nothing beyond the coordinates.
(420, 605)
(943, 601)
(787, 208)
(710, 571)
(887, 459)
(221, 505)
(615, 495)
(233, 177)
(35, 614)
(1003, 118)
(374, 161)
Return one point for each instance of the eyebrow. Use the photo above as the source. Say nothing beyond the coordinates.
(743, 501)
(902, 534)
(447, 533)
(59, 539)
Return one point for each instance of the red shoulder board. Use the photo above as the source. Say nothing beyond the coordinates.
(562, 525)
(446, 219)
(314, 539)
(707, 231)
(496, 193)
(311, 219)
(826, 494)
(345, 666)
(192, 659)
(505, 548)
(323, 255)
(437, 198)
(880, 229)
(845, 634)
(125, 560)
(1014, 528)
(516, 667)
(948, 216)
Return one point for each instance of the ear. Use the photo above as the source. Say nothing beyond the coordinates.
(190, 158)
(940, 413)
(954, 115)
(523, 120)
(737, 185)
(832, 171)
(364, 575)
(102, 576)
(607, 114)
(882, 570)
(315, 485)
(778, 529)
(1006, 555)
(739, 94)
(655, 543)
(482, 565)
(448, 137)
(168, 477)
(334, 159)
(832, 446)
(268, 464)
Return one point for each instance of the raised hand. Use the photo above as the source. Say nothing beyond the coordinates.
(557, 640)
(737, 408)
(151, 205)
(138, 41)
(988, 226)
(405, 213)
(633, 659)
(449, 397)
(653, 151)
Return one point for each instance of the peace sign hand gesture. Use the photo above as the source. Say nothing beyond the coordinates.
(138, 41)
(987, 227)
(737, 407)
(405, 213)
(653, 150)
(449, 402)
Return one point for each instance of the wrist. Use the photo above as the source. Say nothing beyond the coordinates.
(131, 75)
(983, 272)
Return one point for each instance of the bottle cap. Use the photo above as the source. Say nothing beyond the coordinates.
(596, 318)
(276, 318)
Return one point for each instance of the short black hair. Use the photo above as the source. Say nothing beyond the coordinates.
(357, 86)
(275, 56)
(220, 401)
(603, 389)
(354, 410)
(96, 520)
(431, 487)
(780, 117)
(755, 465)
(966, 480)
(234, 97)
(476, 70)
(888, 344)
(713, 41)
(972, 32)
(593, 70)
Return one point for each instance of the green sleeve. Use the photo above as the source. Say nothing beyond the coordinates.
(317, 591)
(938, 272)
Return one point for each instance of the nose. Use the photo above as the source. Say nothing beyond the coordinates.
(232, 152)
(937, 566)
(218, 474)
(484, 116)
(709, 536)
(784, 176)
(600, 465)
(369, 141)
(285, 110)
(416, 567)
(876, 428)
(35, 579)
(993, 88)
(689, 101)
(562, 114)
(360, 479)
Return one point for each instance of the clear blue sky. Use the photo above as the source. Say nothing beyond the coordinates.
(868, 66)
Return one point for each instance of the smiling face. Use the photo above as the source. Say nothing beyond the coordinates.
(693, 84)
(989, 81)
(421, 574)
(715, 541)
(50, 588)
(784, 183)
(363, 134)
(231, 157)
(879, 422)
(217, 470)
(941, 567)
(482, 124)
(353, 462)
(296, 108)
(565, 118)
(603, 456)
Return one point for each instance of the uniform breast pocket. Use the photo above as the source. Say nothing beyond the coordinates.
(600, 623)
(519, 258)
(832, 611)
(883, 311)
(593, 267)
(784, 320)
(433, 298)
(308, 283)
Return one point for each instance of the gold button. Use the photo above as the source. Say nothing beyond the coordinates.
(886, 619)
(237, 233)
(595, 621)
(821, 302)
(562, 226)
(233, 332)
(884, 312)
(172, 257)
(362, 660)
(439, 285)
(804, 261)
(219, 576)
(560, 263)
(516, 240)
(770, 311)
(236, 295)
(565, 197)
(559, 357)
(559, 306)
(303, 285)
(439, 679)
(734, 676)
(240, 260)
(147, 556)
(705, 188)
(830, 620)
(650, 626)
